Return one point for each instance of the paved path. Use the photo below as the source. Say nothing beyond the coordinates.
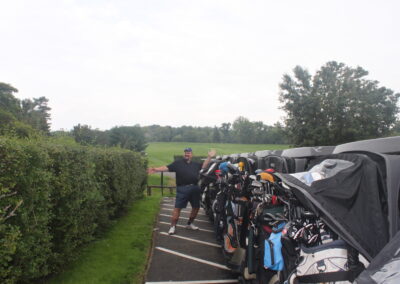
(188, 256)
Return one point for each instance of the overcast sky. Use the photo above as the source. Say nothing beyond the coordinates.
(199, 63)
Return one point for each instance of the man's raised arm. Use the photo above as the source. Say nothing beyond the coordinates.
(211, 154)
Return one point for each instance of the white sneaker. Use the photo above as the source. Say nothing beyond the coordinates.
(192, 227)
(172, 230)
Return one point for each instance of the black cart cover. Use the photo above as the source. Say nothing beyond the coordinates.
(352, 201)
(385, 267)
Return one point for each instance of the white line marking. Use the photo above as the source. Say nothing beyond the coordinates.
(172, 204)
(183, 210)
(196, 282)
(168, 209)
(193, 258)
(181, 226)
(186, 218)
(192, 240)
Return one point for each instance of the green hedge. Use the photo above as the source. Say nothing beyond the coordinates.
(64, 195)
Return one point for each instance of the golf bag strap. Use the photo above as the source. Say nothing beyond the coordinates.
(327, 277)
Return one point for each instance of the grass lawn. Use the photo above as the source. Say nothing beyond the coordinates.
(162, 153)
(121, 255)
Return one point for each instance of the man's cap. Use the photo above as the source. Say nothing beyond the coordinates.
(187, 149)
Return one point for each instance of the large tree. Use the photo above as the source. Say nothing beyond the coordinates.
(33, 112)
(8, 102)
(337, 105)
(84, 134)
(216, 136)
(243, 130)
(22, 118)
(128, 137)
(226, 132)
(36, 113)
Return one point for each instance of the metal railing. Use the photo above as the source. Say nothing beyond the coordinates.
(161, 186)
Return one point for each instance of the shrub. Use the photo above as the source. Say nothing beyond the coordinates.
(62, 195)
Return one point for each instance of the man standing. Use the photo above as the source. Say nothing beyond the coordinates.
(187, 174)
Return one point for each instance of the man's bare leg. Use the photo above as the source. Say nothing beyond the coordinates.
(193, 215)
(175, 216)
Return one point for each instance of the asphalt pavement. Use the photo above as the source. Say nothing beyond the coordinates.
(188, 256)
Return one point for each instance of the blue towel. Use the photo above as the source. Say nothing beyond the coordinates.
(273, 258)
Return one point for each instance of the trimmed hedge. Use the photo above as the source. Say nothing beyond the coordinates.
(69, 193)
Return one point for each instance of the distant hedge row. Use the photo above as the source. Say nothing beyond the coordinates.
(54, 198)
(199, 159)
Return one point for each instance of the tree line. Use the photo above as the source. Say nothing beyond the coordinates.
(337, 104)
(136, 137)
